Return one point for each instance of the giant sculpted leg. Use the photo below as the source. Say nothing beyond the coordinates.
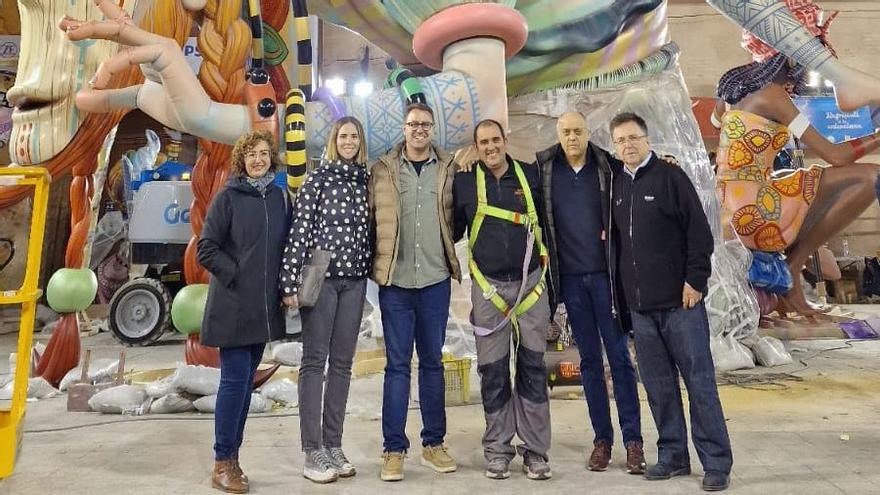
(844, 193)
(772, 21)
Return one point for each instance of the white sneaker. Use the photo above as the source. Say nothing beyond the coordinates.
(318, 467)
(341, 463)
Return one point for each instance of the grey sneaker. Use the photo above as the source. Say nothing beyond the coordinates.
(341, 463)
(498, 468)
(535, 466)
(318, 467)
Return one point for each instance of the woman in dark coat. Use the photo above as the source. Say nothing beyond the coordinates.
(241, 246)
(331, 214)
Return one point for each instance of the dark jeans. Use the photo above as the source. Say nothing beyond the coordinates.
(587, 300)
(669, 342)
(329, 333)
(414, 315)
(237, 368)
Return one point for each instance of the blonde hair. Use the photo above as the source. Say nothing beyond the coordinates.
(333, 153)
(248, 142)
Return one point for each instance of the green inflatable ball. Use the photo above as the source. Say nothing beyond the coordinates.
(188, 308)
(71, 290)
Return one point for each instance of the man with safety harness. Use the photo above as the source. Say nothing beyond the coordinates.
(497, 203)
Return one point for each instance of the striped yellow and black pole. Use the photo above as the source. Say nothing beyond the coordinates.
(409, 84)
(255, 19)
(258, 92)
(303, 47)
(295, 140)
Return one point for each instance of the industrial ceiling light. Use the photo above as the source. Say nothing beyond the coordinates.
(336, 86)
(363, 88)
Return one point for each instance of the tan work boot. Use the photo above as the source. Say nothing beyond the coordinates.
(392, 466)
(437, 458)
(225, 477)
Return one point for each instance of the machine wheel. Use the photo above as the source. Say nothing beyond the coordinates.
(140, 312)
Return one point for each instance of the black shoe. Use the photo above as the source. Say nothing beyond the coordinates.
(662, 471)
(715, 481)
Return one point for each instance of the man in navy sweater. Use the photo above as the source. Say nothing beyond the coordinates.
(576, 188)
(665, 250)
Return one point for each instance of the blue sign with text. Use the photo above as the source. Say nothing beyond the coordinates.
(837, 126)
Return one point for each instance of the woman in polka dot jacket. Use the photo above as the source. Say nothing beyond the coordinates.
(330, 214)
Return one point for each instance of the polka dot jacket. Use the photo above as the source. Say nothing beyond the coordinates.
(331, 214)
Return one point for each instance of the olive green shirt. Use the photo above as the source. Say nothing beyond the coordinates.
(421, 261)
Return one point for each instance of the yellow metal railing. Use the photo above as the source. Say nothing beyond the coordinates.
(11, 420)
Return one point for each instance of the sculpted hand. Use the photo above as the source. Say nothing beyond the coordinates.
(290, 302)
(171, 92)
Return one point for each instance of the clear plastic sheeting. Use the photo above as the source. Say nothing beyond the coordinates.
(663, 101)
(731, 303)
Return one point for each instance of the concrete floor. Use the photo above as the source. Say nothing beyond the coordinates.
(806, 428)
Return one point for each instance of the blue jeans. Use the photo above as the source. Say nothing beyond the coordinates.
(237, 368)
(587, 300)
(414, 315)
(669, 342)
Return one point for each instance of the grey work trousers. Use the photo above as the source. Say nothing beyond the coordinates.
(523, 409)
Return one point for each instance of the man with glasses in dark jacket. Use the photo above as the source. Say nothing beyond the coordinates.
(576, 187)
(664, 265)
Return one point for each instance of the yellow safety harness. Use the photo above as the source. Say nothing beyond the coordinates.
(530, 221)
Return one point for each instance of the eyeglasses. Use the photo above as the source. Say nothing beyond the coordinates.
(252, 155)
(628, 140)
(420, 125)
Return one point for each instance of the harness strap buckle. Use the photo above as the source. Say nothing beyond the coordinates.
(489, 293)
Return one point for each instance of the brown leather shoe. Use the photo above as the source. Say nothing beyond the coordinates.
(226, 477)
(635, 458)
(237, 467)
(601, 456)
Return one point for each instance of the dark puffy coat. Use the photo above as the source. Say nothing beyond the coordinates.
(241, 246)
(608, 167)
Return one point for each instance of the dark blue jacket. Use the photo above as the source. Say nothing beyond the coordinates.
(241, 246)
(665, 239)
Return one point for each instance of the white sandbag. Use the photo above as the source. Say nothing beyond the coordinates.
(170, 404)
(288, 353)
(100, 370)
(282, 391)
(199, 380)
(6, 391)
(208, 404)
(161, 387)
(259, 404)
(730, 355)
(38, 388)
(770, 351)
(122, 399)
